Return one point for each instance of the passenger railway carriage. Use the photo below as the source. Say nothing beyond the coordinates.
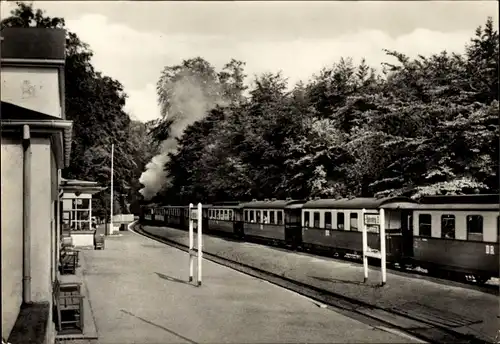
(446, 235)
(336, 224)
(457, 234)
(274, 220)
(225, 217)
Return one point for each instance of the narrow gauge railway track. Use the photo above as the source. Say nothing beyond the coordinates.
(378, 317)
(357, 259)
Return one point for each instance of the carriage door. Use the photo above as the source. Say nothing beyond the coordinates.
(293, 229)
(407, 232)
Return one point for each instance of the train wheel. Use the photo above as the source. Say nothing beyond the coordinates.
(433, 272)
(481, 279)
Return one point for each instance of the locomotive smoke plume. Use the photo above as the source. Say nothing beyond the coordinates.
(190, 97)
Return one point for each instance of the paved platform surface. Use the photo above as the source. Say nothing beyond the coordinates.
(139, 293)
(462, 309)
(89, 335)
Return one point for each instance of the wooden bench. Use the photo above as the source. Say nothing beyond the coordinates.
(68, 260)
(68, 303)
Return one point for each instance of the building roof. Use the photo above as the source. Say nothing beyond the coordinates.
(31, 43)
(82, 186)
(15, 116)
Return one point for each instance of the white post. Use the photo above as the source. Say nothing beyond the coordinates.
(365, 247)
(75, 211)
(382, 246)
(111, 206)
(191, 244)
(90, 213)
(200, 253)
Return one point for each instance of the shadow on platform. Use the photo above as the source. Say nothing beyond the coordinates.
(361, 283)
(159, 326)
(172, 279)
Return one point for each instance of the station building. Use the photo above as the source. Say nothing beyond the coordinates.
(35, 146)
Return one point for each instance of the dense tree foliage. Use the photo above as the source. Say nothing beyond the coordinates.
(427, 125)
(94, 102)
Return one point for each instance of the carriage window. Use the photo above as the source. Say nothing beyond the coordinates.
(475, 227)
(271, 217)
(257, 217)
(306, 219)
(340, 220)
(226, 214)
(498, 228)
(246, 215)
(252, 216)
(231, 215)
(265, 219)
(316, 219)
(448, 226)
(280, 217)
(424, 224)
(354, 221)
(328, 220)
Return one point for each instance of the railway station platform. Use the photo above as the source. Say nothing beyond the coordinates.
(138, 292)
(470, 310)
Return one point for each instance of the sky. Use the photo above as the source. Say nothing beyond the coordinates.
(133, 41)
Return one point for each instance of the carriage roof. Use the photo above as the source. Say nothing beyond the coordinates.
(461, 199)
(272, 204)
(227, 205)
(355, 203)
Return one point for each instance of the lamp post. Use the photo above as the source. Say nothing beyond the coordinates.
(111, 205)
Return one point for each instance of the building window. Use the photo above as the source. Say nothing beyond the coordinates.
(475, 227)
(316, 219)
(448, 226)
(425, 225)
(280, 217)
(354, 221)
(76, 214)
(328, 220)
(340, 220)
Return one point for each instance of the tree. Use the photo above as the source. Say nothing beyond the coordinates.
(94, 103)
(427, 125)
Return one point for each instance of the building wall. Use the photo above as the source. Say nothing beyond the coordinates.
(12, 231)
(33, 88)
(53, 212)
(41, 210)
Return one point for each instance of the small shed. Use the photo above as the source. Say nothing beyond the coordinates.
(76, 210)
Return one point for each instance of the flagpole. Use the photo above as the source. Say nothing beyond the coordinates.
(111, 206)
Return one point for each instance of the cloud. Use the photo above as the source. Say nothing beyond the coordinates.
(142, 104)
(136, 57)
